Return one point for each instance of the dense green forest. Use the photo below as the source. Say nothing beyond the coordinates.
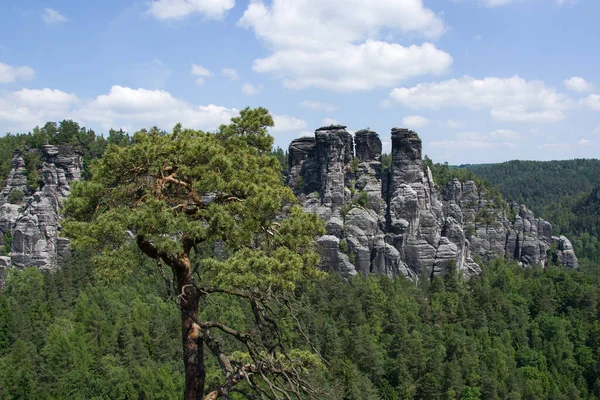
(538, 184)
(511, 333)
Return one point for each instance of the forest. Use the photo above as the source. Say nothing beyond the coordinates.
(108, 324)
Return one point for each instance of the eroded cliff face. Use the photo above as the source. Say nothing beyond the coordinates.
(29, 219)
(398, 222)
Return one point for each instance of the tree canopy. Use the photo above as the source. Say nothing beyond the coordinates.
(212, 207)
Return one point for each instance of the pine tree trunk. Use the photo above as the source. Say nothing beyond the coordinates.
(193, 345)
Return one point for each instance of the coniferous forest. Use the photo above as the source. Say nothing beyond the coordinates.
(108, 323)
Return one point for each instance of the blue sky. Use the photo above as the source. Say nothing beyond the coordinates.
(479, 80)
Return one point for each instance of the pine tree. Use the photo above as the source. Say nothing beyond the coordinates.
(206, 205)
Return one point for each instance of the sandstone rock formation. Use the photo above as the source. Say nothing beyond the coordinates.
(29, 222)
(395, 222)
(398, 222)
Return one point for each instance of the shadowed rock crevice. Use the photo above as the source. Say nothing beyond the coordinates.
(398, 222)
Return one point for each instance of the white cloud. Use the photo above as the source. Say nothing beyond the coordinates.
(583, 142)
(354, 67)
(144, 108)
(507, 99)
(325, 23)
(592, 102)
(306, 134)
(578, 84)
(45, 98)
(200, 72)
(321, 43)
(120, 107)
(230, 74)
(415, 121)
(250, 90)
(176, 9)
(9, 74)
(23, 109)
(366, 66)
(597, 130)
(51, 17)
(285, 123)
(317, 105)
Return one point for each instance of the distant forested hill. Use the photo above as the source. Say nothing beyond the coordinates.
(538, 184)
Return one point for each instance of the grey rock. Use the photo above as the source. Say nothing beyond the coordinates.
(332, 259)
(304, 168)
(334, 153)
(387, 261)
(410, 227)
(34, 223)
(566, 254)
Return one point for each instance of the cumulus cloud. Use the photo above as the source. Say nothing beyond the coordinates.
(318, 43)
(26, 108)
(230, 74)
(415, 121)
(354, 67)
(285, 123)
(323, 23)
(591, 102)
(9, 73)
(51, 17)
(578, 84)
(200, 72)
(120, 107)
(250, 90)
(177, 9)
(507, 99)
(143, 108)
(317, 105)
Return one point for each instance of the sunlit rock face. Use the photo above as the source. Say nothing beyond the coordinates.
(29, 219)
(398, 222)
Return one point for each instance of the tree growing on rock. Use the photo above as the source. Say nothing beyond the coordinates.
(206, 205)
